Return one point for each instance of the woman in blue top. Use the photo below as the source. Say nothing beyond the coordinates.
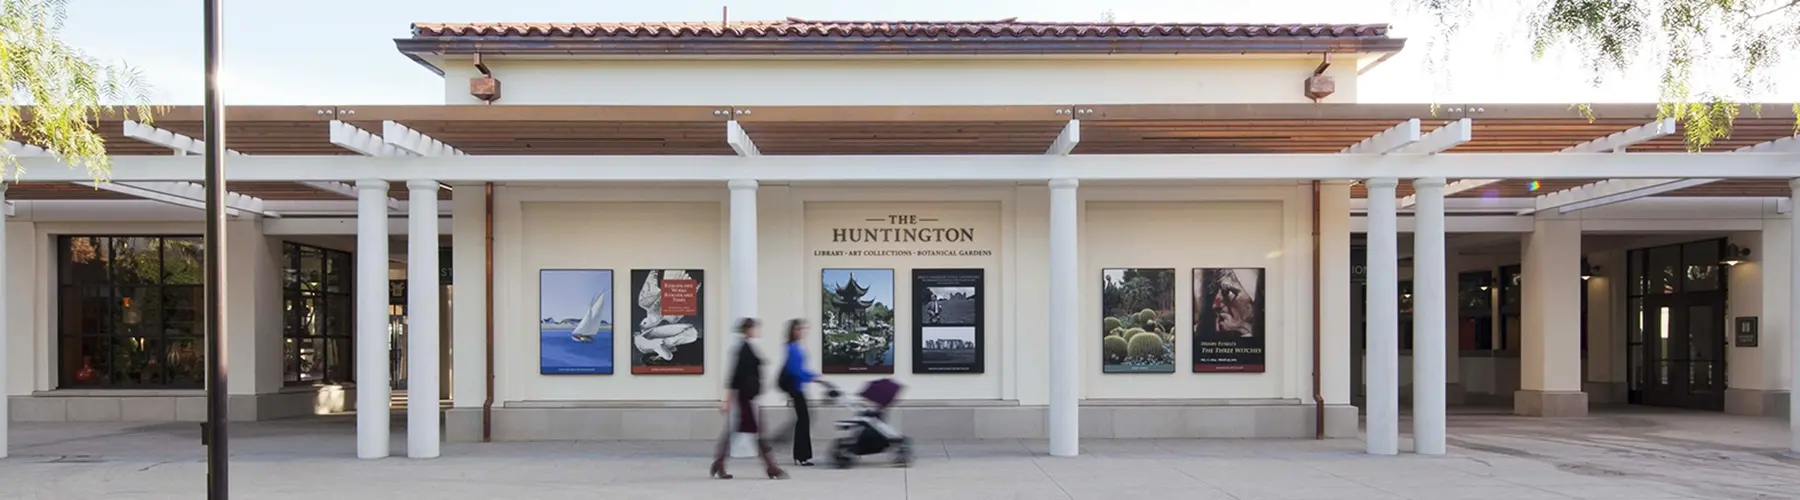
(793, 380)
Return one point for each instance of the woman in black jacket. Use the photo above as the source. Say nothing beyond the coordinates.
(745, 384)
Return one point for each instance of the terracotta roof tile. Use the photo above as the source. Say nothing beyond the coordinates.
(801, 28)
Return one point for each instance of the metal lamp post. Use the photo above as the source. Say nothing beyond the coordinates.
(217, 456)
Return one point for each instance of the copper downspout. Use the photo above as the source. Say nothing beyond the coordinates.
(487, 405)
(1318, 392)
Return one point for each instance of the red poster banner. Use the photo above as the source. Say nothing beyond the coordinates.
(680, 297)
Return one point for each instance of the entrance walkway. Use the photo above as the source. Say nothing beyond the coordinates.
(1633, 454)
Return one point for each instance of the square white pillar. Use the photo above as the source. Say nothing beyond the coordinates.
(1453, 268)
(1382, 365)
(1429, 306)
(1065, 366)
(1793, 307)
(1550, 347)
(422, 349)
(1334, 294)
(5, 393)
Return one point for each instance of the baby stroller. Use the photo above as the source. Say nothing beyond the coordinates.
(867, 432)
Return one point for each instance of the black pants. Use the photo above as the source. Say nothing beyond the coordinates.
(802, 424)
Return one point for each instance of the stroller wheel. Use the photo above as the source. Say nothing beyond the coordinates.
(902, 453)
(840, 455)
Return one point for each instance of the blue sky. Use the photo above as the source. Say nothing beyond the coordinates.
(568, 293)
(341, 51)
(880, 282)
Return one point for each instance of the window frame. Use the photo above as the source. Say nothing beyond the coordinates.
(155, 345)
(327, 329)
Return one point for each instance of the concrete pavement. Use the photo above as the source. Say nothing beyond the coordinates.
(1629, 455)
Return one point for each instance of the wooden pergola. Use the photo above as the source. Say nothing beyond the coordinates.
(1161, 129)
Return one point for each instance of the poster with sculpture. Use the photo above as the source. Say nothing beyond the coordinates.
(575, 329)
(668, 321)
(1228, 320)
(1137, 320)
(857, 309)
(947, 320)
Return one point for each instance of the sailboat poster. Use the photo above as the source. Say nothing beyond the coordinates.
(575, 326)
(668, 318)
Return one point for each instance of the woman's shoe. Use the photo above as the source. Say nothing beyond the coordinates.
(718, 470)
(777, 473)
(803, 463)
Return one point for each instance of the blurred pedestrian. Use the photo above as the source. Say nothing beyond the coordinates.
(744, 385)
(793, 380)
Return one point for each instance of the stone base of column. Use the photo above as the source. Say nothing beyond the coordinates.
(1756, 402)
(1454, 394)
(1550, 403)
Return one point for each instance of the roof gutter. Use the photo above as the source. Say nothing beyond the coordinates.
(648, 47)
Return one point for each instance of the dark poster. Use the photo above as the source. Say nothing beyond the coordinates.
(947, 321)
(668, 319)
(1228, 320)
(857, 306)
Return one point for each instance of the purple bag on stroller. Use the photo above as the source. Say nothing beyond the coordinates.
(883, 392)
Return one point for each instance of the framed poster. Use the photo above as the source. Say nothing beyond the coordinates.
(1228, 320)
(1137, 320)
(575, 325)
(947, 320)
(668, 322)
(857, 306)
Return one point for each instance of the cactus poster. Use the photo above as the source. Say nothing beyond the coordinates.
(1228, 320)
(947, 320)
(857, 306)
(575, 326)
(667, 319)
(1137, 320)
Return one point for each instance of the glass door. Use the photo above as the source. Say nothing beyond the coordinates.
(1676, 297)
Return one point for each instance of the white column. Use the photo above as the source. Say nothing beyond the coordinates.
(372, 395)
(1334, 300)
(743, 282)
(1065, 367)
(1383, 319)
(422, 435)
(1550, 347)
(1429, 306)
(5, 336)
(1793, 341)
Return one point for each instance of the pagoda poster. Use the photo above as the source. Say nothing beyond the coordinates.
(668, 319)
(857, 309)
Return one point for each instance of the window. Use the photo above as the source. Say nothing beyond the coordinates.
(1406, 316)
(129, 312)
(319, 316)
(1475, 313)
(1511, 287)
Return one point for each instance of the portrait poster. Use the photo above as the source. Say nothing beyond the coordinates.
(857, 309)
(575, 326)
(668, 322)
(1228, 320)
(947, 320)
(1137, 320)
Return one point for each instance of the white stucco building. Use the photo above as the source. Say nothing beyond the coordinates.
(1474, 254)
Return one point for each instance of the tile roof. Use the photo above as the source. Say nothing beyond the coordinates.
(801, 28)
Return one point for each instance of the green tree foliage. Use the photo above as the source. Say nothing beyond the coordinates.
(1712, 55)
(66, 90)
